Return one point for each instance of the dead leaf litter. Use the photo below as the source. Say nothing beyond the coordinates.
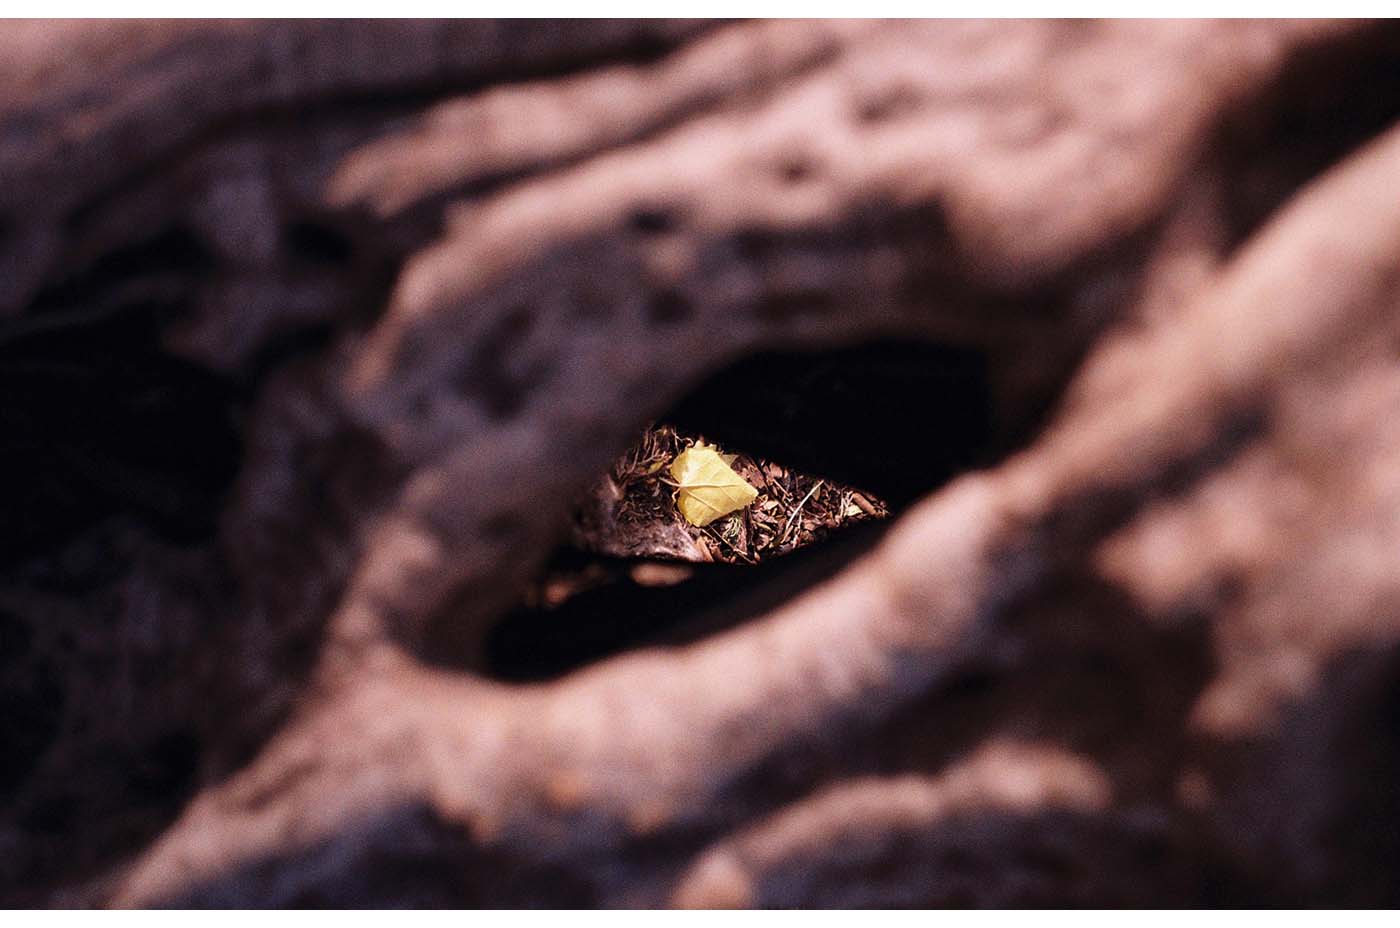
(747, 508)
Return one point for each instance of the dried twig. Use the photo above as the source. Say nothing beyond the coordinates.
(797, 510)
(730, 545)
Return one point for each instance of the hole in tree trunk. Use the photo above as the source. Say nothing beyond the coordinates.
(891, 420)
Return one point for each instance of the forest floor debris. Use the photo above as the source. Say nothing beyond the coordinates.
(631, 511)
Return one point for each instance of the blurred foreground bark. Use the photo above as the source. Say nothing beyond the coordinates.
(436, 276)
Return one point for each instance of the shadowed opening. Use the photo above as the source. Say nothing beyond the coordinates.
(894, 419)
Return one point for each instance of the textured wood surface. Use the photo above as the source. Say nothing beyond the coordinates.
(436, 276)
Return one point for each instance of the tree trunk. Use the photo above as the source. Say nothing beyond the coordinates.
(312, 333)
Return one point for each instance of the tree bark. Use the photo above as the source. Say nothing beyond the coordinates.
(316, 330)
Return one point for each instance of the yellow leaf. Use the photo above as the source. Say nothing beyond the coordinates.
(709, 488)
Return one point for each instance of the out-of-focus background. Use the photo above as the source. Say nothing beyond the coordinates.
(345, 369)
